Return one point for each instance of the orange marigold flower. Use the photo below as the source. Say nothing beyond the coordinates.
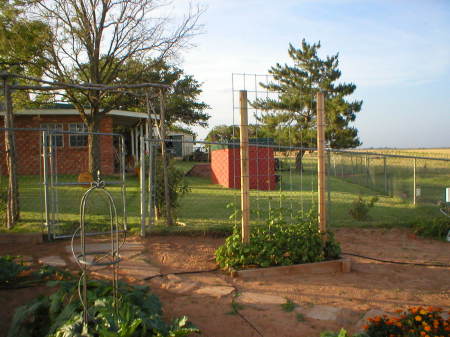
(366, 327)
(398, 324)
(377, 319)
(418, 318)
(423, 312)
(427, 328)
(422, 333)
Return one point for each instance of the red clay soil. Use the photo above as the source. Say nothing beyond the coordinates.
(370, 285)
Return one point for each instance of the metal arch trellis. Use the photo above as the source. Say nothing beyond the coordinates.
(86, 258)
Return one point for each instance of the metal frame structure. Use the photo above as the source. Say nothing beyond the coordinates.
(86, 258)
(51, 183)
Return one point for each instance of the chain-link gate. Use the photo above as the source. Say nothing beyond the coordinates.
(65, 178)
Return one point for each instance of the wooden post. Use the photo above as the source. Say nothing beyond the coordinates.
(321, 164)
(12, 209)
(245, 181)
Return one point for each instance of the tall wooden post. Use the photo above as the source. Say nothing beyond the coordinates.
(12, 209)
(321, 163)
(245, 181)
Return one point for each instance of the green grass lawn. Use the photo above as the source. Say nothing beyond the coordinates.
(204, 208)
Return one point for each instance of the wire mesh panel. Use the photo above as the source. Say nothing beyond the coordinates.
(28, 167)
(66, 178)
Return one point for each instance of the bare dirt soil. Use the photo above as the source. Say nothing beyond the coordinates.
(370, 285)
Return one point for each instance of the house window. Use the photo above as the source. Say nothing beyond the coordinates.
(78, 140)
(57, 139)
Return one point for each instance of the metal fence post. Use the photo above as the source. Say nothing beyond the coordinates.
(124, 188)
(150, 209)
(142, 184)
(45, 173)
(385, 177)
(414, 181)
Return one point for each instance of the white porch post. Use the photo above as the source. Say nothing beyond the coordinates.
(133, 152)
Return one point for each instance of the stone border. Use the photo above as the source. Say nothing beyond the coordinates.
(325, 267)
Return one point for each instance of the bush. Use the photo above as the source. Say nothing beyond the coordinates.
(278, 243)
(416, 321)
(360, 208)
(10, 269)
(178, 187)
(60, 315)
(436, 228)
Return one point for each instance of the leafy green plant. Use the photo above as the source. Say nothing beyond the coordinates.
(360, 208)
(178, 186)
(341, 333)
(436, 228)
(300, 317)
(289, 306)
(10, 269)
(235, 306)
(278, 242)
(138, 313)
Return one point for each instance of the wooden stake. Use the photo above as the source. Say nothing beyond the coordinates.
(245, 183)
(321, 164)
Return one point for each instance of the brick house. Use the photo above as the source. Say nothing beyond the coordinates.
(71, 149)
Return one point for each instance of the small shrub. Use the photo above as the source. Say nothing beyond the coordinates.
(341, 333)
(10, 269)
(360, 208)
(416, 321)
(278, 243)
(436, 228)
(178, 187)
(289, 306)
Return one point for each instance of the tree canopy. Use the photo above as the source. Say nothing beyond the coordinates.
(291, 119)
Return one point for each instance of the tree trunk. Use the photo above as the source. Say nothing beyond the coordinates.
(12, 209)
(299, 161)
(94, 145)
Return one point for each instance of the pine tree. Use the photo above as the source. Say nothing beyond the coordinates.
(291, 119)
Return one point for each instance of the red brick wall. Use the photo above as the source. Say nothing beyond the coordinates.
(70, 160)
(226, 168)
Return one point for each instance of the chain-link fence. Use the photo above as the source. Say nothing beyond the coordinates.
(205, 181)
(51, 174)
(363, 189)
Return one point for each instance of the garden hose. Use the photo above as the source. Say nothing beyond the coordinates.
(398, 262)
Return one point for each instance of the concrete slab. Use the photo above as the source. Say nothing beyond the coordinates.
(326, 267)
(322, 312)
(214, 291)
(259, 298)
(54, 261)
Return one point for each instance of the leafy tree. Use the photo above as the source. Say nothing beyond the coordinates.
(93, 40)
(291, 118)
(182, 100)
(23, 41)
(224, 133)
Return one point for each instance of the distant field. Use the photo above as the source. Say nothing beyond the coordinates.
(426, 152)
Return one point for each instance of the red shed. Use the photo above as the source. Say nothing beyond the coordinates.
(226, 168)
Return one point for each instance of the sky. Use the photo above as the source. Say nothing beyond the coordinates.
(397, 52)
